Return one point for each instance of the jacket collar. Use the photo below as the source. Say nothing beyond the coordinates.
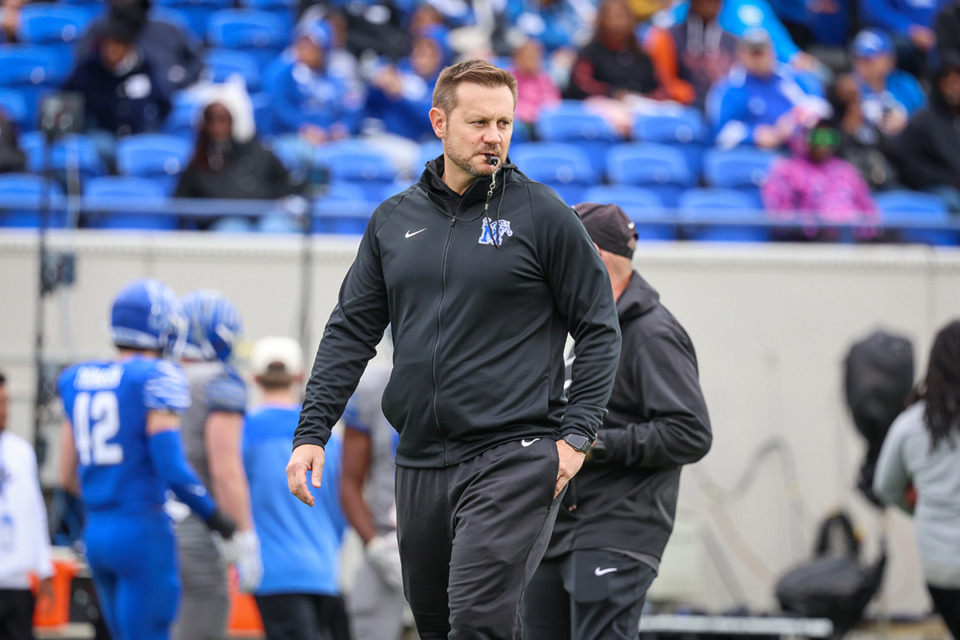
(637, 299)
(431, 180)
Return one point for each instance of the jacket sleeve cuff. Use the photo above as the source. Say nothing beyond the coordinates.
(320, 442)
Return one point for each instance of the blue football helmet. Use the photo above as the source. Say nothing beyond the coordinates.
(214, 325)
(147, 315)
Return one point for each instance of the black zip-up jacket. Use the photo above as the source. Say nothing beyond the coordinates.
(930, 145)
(479, 314)
(657, 422)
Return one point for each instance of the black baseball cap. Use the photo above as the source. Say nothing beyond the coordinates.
(609, 227)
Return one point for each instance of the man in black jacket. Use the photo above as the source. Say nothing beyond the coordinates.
(930, 144)
(618, 512)
(481, 273)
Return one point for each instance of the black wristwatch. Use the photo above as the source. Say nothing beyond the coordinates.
(580, 443)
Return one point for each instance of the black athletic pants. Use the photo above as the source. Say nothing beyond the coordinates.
(16, 614)
(303, 616)
(586, 595)
(472, 535)
(947, 604)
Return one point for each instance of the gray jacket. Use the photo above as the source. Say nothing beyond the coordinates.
(905, 458)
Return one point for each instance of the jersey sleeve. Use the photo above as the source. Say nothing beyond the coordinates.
(353, 417)
(166, 388)
(65, 389)
(227, 392)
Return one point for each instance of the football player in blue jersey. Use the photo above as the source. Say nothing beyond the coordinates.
(121, 440)
(212, 433)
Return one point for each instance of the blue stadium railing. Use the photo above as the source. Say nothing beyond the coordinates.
(345, 217)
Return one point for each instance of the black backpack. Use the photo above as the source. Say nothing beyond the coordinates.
(833, 584)
(878, 377)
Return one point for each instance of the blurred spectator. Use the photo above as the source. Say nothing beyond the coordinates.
(557, 24)
(947, 30)
(740, 16)
(24, 537)
(12, 158)
(694, 53)
(122, 91)
(401, 95)
(613, 64)
(399, 98)
(10, 19)
(817, 186)
(645, 9)
(340, 63)
(930, 145)
(228, 163)
(376, 26)
(299, 596)
(535, 87)
(308, 103)
(173, 54)
(889, 96)
(759, 102)
(910, 22)
(861, 143)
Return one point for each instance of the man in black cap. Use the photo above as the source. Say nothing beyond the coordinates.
(122, 91)
(618, 513)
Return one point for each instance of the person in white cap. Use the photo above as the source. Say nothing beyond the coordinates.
(299, 596)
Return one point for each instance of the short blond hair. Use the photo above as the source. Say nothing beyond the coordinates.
(478, 72)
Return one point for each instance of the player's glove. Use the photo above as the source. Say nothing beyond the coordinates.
(249, 564)
(384, 554)
(222, 524)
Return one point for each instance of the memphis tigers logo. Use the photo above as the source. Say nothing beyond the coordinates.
(494, 231)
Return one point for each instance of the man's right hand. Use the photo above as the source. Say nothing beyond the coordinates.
(306, 457)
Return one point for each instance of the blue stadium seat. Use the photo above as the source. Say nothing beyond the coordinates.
(145, 198)
(283, 9)
(429, 151)
(563, 167)
(14, 107)
(223, 63)
(338, 212)
(161, 157)
(75, 152)
(232, 224)
(684, 129)
(22, 195)
(277, 223)
(588, 131)
(654, 166)
(197, 13)
(184, 118)
(700, 207)
(57, 26)
(743, 169)
(643, 206)
(259, 33)
(33, 70)
(911, 210)
(355, 161)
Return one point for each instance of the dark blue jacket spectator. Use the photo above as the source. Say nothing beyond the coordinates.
(901, 16)
(401, 96)
(122, 91)
(175, 55)
(888, 96)
(304, 96)
(555, 23)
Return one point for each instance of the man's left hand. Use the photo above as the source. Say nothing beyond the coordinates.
(570, 462)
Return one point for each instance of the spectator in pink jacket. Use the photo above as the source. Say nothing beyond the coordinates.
(815, 187)
(535, 88)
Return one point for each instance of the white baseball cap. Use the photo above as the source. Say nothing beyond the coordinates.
(276, 355)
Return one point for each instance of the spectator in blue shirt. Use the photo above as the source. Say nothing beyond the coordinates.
(911, 23)
(307, 101)
(299, 596)
(740, 16)
(888, 96)
(759, 102)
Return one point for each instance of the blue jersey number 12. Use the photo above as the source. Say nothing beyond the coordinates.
(96, 419)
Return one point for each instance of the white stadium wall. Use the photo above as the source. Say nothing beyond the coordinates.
(771, 324)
